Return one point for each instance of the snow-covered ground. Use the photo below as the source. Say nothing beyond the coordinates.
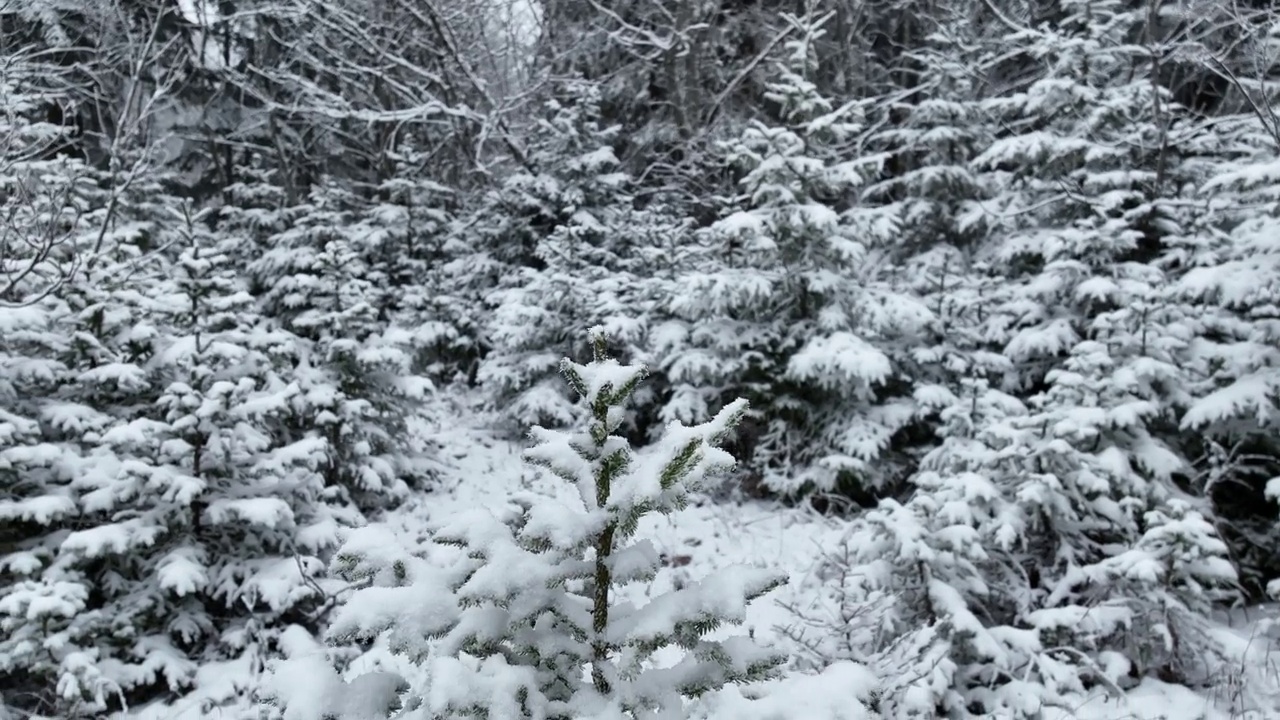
(484, 470)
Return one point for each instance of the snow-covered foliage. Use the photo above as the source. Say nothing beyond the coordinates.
(406, 240)
(187, 513)
(998, 280)
(1049, 544)
(1230, 285)
(1015, 578)
(354, 367)
(176, 469)
(782, 300)
(73, 345)
(511, 611)
(597, 260)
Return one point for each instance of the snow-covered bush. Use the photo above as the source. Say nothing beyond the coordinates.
(406, 237)
(169, 489)
(1232, 284)
(510, 613)
(779, 302)
(1023, 571)
(315, 277)
(590, 258)
(74, 337)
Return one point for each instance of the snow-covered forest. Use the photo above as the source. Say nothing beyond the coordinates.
(648, 359)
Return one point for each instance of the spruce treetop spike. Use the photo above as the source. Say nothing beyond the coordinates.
(599, 343)
(604, 382)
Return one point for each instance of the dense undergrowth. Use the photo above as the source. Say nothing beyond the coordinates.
(997, 281)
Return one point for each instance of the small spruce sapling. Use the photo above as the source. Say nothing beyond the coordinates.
(516, 616)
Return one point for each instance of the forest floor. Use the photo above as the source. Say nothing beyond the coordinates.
(483, 470)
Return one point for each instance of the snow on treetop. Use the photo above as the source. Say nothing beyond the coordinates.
(597, 376)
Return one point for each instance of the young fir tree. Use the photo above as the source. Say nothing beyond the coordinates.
(782, 302)
(245, 518)
(1229, 283)
(927, 214)
(1084, 178)
(47, 663)
(940, 574)
(357, 389)
(928, 194)
(1029, 566)
(594, 262)
(198, 518)
(78, 245)
(520, 620)
(408, 237)
(1107, 526)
